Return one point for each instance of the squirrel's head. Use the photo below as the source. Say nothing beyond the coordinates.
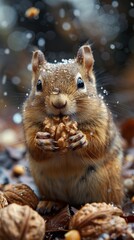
(66, 88)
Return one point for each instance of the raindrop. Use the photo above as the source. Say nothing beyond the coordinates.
(4, 79)
(41, 42)
(105, 92)
(17, 118)
(62, 13)
(112, 46)
(115, 4)
(16, 80)
(7, 51)
(29, 67)
(100, 96)
(5, 93)
(117, 102)
(76, 12)
(66, 26)
(29, 35)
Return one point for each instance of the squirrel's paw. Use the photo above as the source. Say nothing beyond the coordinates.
(49, 206)
(78, 140)
(45, 142)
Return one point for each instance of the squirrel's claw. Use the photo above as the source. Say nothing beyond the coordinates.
(44, 142)
(78, 140)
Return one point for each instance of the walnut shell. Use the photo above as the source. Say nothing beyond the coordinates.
(97, 218)
(3, 200)
(21, 222)
(60, 129)
(22, 195)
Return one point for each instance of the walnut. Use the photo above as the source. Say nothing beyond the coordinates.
(21, 194)
(21, 222)
(3, 201)
(60, 129)
(94, 219)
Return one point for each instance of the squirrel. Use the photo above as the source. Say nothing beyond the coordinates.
(90, 169)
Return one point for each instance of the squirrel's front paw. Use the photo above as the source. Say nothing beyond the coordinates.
(44, 141)
(78, 140)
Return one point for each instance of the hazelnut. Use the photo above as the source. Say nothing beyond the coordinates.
(32, 12)
(18, 170)
(72, 235)
(21, 222)
(21, 194)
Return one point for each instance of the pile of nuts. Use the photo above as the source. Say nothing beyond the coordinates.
(60, 130)
(18, 220)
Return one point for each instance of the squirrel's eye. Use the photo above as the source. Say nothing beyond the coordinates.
(80, 83)
(39, 85)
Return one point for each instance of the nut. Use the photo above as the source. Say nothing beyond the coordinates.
(3, 201)
(32, 12)
(18, 170)
(21, 194)
(21, 222)
(60, 129)
(97, 218)
(72, 235)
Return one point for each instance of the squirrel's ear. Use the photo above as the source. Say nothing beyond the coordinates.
(38, 60)
(85, 57)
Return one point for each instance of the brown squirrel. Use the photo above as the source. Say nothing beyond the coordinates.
(90, 169)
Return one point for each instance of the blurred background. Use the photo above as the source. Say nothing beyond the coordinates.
(59, 28)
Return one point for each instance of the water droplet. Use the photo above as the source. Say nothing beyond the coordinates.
(76, 12)
(131, 4)
(16, 80)
(115, 4)
(105, 92)
(4, 79)
(112, 46)
(29, 67)
(41, 42)
(62, 13)
(66, 26)
(29, 35)
(5, 93)
(117, 102)
(7, 51)
(17, 118)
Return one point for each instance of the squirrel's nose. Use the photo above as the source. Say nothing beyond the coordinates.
(59, 103)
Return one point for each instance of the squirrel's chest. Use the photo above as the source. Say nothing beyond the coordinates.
(62, 175)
